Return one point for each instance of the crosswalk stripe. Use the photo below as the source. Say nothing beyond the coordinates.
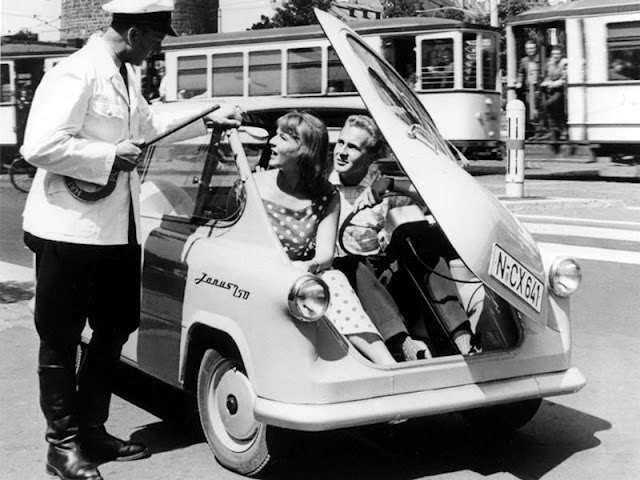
(15, 273)
(584, 231)
(592, 253)
(556, 220)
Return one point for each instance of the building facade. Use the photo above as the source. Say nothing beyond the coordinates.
(81, 18)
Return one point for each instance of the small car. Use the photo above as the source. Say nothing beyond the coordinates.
(227, 317)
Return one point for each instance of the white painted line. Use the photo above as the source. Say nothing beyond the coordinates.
(584, 221)
(549, 200)
(15, 273)
(580, 231)
(592, 253)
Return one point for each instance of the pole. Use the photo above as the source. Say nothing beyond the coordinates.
(493, 7)
(516, 120)
(512, 64)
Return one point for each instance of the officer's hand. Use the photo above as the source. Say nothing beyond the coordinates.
(227, 116)
(127, 155)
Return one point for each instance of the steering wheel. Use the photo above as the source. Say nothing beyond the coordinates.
(393, 218)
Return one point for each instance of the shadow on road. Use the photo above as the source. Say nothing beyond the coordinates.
(421, 447)
(13, 292)
(180, 426)
(445, 444)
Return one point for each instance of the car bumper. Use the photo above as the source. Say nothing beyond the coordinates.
(416, 404)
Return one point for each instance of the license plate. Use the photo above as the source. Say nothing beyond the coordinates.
(513, 275)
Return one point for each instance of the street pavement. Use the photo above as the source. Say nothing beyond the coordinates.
(592, 195)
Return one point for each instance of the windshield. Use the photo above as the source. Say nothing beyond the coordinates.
(400, 100)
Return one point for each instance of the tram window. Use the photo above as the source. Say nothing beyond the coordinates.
(6, 92)
(339, 80)
(398, 98)
(264, 73)
(192, 76)
(304, 70)
(488, 55)
(469, 68)
(227, 74)
(623, 46)
(437, 64)
(400, 52)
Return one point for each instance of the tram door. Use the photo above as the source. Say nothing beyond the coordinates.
(437, 61)
(7, 104)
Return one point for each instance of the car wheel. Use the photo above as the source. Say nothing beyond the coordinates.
(505, 418)
(225, 403)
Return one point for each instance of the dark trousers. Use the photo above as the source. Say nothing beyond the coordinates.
(554, 104)
(74, 284)
(376, 300)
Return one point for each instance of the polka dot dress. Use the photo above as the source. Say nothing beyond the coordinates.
(296, 230)
(345, 310)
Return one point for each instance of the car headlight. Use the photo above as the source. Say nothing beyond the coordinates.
(308, 298)
(565, 276)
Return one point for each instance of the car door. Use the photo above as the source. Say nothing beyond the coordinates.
(491, 242)
(184, 197)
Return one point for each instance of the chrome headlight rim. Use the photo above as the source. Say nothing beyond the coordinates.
(558, 287)
(302, 283)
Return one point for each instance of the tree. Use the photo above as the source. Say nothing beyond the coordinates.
(265, 22)
(293, 13)
(400, 8)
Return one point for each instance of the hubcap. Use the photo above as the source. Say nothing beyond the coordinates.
(234, 400)
(232, 404)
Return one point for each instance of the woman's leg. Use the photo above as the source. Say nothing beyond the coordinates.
(372, 347)
(346, 313)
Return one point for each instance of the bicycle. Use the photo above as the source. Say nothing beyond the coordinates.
(21, 174)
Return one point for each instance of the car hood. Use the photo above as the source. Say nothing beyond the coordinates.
(472, 218)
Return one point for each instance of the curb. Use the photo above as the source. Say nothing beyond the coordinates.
(527, 204)
(15, 273)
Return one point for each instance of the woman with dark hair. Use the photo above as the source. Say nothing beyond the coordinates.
(304, 209)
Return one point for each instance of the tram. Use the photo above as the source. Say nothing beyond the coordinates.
(22, 66)
(601, 39)
(452, 66)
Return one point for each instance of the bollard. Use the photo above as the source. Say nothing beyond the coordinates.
(514, 186)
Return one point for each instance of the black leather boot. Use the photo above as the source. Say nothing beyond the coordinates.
(66, 461)
(64, 457)
(95, 383)
(101, 446)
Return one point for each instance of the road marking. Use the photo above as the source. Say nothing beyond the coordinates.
(593, 253)
(583, 231)
(578, 221)
(15, 273)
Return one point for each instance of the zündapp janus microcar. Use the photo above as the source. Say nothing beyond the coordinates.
(227, 317)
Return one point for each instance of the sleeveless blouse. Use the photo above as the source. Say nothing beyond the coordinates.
(296, 229)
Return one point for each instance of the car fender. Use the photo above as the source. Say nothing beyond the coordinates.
(215, 322)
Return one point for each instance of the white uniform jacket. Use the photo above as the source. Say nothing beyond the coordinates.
(80, 112)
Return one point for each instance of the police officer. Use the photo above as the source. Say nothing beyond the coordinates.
(87, 119)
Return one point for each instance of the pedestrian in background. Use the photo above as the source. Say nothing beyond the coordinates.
(554, 85)
(528, 87)
(86, 120)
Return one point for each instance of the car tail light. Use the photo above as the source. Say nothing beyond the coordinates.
(308, 298)
(565, 276)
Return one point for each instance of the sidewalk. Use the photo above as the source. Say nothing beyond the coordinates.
(540, 164)
(16, 290)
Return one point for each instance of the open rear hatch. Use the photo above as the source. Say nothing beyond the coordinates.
(486, 236)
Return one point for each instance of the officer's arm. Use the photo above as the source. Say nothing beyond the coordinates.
(57, 116)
